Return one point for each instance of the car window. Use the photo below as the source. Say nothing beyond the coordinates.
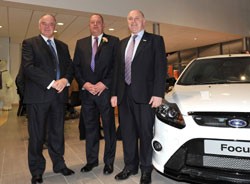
(217, 71)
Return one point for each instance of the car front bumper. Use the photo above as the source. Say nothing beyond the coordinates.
(183, 157)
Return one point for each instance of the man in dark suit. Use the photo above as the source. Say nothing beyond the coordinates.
(93, 63)
(48, 71)
(138, 88)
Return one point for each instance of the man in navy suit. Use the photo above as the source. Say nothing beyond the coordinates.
(93, 63)
(48, 70)
(138, 88)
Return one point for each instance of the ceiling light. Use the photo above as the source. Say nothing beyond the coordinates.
(195, 39)
(111, 29)
(55, 31)
(60, 23)
(1, 27)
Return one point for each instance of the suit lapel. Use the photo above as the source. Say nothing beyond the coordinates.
(59, 51)
(88, 46)
(45, 48)
(101, 45)
(142, 43)
(99, 51)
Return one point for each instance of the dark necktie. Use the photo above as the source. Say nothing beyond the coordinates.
(128, 60)
(56, 58)
(94, 49)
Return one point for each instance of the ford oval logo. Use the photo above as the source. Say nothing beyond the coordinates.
(237, 123)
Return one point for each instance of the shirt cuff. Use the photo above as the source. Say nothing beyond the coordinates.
(49, 86)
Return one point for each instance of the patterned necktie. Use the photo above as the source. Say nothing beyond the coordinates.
(56, 57)
(128, 60)
(94, 49)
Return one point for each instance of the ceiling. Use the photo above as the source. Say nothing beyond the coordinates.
(20, 21)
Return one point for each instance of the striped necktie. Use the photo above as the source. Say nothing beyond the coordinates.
(128, 60)
(94, 49)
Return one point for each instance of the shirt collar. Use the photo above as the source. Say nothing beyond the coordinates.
(99, 37)
(46, 38)
(139, 35)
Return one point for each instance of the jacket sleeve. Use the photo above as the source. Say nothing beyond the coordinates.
(160, 67)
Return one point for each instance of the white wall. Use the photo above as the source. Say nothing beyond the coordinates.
(4, 49)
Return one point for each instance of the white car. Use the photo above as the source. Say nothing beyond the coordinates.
(202, 130)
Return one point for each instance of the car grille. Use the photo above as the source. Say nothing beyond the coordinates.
(226, 163)
(195, 156)
(220, 119)
(190, 163)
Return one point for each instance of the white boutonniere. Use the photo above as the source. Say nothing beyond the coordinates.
(104, 40)
(144, 40)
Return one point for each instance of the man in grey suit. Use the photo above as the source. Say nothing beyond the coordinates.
(138, 88)
(48, 70)
(93, 63)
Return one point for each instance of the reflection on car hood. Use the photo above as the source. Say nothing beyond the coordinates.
(211, 98)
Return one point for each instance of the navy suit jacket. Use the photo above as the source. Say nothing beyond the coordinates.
(148, 69)
(39, 68)
(104, 61)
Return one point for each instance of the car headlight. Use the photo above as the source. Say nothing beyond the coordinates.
(170, 114)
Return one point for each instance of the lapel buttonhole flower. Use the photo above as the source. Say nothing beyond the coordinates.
(104, 39)
(144, 40)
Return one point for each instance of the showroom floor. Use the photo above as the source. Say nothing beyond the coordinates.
(13, 156)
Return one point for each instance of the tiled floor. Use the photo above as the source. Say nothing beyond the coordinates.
(13, 157)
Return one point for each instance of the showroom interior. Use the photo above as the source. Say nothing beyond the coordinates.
(190, 28)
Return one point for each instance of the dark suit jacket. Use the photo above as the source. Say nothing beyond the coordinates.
(39, 67)
(20, 83)
(148, 69)
(104, 61)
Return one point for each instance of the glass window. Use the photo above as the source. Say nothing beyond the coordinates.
(217, 71)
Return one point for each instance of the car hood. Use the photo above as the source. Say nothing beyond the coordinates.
(211, 98)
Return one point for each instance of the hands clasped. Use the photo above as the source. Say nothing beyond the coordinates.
(60, 84)
(95, 89)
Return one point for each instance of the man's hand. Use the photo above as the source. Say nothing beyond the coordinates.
(60, 84)
(113, 101)
(90, 88)
(99, 87)
(155, 101)
(94, 89)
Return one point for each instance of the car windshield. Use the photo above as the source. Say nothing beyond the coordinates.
(217, 71)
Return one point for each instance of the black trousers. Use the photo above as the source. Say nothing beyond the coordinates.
(39, 115)
(93, 107)
(136, 123)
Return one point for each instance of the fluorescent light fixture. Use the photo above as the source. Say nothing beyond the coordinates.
(111, 29)
(60, 23)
